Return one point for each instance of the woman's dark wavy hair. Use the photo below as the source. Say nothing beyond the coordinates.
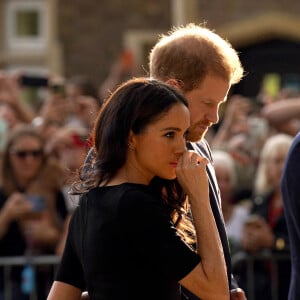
(133, 106)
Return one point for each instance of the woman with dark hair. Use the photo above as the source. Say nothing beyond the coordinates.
(130, 236)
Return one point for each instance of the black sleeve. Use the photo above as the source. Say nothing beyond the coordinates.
(290, 183)
(60, 205)
(70, 269)
(158, 242)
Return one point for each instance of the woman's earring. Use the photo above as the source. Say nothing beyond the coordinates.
(130, 146)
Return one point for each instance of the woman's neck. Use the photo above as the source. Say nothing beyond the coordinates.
(128, 175)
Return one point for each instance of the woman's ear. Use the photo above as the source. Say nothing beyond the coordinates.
(175, 83)
(131, 140)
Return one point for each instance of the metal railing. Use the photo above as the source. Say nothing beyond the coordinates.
(248, 260)
(8, 263)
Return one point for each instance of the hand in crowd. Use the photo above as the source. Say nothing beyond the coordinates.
(16, 207)
(87, 109)
(123, 68)
(40, 231)
(9, 88)
(57, 107)
(238, 147)
(238, 108)
(234, 120)
(257, 235)
(10, 92)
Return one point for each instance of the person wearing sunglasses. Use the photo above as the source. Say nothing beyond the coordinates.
(32, 206)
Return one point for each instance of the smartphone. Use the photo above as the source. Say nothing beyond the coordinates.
(38, 202)
(33, 81)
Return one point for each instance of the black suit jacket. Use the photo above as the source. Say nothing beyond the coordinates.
(215, 201)
(290, 186)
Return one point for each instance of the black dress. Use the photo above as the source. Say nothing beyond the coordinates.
(122, 244)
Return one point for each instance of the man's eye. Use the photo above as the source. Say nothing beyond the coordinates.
(208, 103)
(186, 134)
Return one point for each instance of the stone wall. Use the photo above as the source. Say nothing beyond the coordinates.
(92, 31)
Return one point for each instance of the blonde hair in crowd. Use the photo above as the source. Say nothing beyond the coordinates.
(274, 145)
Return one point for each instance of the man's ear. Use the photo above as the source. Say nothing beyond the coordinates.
(175, 83)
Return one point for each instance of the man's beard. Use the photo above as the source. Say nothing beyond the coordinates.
(196, 135)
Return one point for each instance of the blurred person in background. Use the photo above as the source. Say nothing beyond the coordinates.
(283, 115)
(83, 94)
(233, 120)
(32, 205)
(241, 133)
(123, 68)
(80, 85)
(10, 92)
(234, 211)
(70, 102)
(9, 118)
(266, 229)
(11, 115)
(69, 146)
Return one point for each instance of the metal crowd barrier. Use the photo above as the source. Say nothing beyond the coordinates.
(249, 260)
(8, 263)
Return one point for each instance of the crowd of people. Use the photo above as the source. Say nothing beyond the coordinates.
(45, 145)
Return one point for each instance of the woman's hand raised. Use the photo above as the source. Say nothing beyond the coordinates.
(191, 174)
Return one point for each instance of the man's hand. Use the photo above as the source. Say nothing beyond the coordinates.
(85, 296)
(237, 294)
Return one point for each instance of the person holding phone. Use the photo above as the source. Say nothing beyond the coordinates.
(32, 206)
(130, 236)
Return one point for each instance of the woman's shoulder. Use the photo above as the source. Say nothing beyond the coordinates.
(122, 188)
(126, 196)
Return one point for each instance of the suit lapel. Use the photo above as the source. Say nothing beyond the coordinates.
(213, 185)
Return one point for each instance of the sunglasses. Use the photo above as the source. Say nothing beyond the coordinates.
(22, 154)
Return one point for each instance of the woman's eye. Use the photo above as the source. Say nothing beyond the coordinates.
(170, 134)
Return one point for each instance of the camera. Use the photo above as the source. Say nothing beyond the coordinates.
(27, 80)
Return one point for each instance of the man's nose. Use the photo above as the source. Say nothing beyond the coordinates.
(213, 115)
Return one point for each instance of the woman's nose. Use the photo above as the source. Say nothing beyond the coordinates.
(181, 146)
